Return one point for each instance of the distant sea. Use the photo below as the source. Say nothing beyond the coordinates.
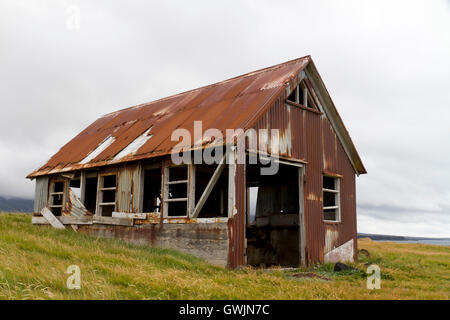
(404, 239)
(435, 242)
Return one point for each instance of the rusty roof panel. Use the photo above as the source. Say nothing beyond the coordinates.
(229, 104)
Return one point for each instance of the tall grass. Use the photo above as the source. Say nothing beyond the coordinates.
(34, 260)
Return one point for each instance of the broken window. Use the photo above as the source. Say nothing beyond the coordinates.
(107, 195)
(152, 190)
(75, 185)
(176, 191)
(216, 204)
(57, 195)
(298, 94)
(90, 193)
(303, 95)
(331, 210)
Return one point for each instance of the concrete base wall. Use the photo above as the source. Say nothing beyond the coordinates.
(205, 240)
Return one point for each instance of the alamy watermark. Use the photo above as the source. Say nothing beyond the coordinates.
(73, 21)
(208, 147)
(374, 278)
(74, 280)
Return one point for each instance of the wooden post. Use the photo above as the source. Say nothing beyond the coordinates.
(191, 190)
(301, 218)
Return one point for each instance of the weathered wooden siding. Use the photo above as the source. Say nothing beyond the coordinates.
(40, 194)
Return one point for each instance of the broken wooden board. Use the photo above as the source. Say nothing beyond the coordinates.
(139, 216)
(48, 215)
(113, 221)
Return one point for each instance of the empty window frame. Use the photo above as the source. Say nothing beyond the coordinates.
(302, 95)
(176, 191)
(331, 199)
(107, 186)
(216, 205)
(75, 186)
(299, 94)
(57, 196)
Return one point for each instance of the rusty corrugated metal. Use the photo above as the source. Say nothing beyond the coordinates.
(255, 100)
(314, 141)
(128, 196)
(229, 104)
(236, 224)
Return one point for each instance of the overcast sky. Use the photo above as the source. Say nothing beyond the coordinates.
(386, 65)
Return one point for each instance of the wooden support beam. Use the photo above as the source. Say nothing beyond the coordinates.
(209, 187)
(231, 182)
(191, 189)
(301, 217)
(83, 186)
(138, 216)
(128, 222)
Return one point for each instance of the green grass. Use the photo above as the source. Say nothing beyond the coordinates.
(33, 262)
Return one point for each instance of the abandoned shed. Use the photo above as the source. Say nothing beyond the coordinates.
(118, 178)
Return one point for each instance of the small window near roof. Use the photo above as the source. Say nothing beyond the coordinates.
(330, 195)
(297, 95)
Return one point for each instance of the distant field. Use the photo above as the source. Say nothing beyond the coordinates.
(33, 262)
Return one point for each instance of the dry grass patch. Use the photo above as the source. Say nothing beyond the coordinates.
(33, 262)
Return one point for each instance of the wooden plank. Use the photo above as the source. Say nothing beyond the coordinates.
(231, 182)
(72, 220)
(209, 187)
(52, 219)
(140, 216)
(76, 219)
(113, 221)
(39, 220)
(83, 186)
(191, 189)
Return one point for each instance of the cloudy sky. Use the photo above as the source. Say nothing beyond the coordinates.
(385, 63)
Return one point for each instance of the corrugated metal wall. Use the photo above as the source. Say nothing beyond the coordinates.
(308, 136)
(129, 179)
(41, 194)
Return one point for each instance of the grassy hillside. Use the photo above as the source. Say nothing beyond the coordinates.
(33, 262)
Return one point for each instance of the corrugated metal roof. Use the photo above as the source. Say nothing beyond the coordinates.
(145, 130)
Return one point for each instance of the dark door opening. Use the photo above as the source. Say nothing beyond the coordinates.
(273, 207)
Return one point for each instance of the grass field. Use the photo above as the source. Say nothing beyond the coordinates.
(33, 262)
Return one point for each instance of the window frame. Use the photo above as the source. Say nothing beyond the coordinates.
(337, 199)
(101, 189)
(167, 183)
(52, 193)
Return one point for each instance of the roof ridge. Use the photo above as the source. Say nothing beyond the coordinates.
(276, 66)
